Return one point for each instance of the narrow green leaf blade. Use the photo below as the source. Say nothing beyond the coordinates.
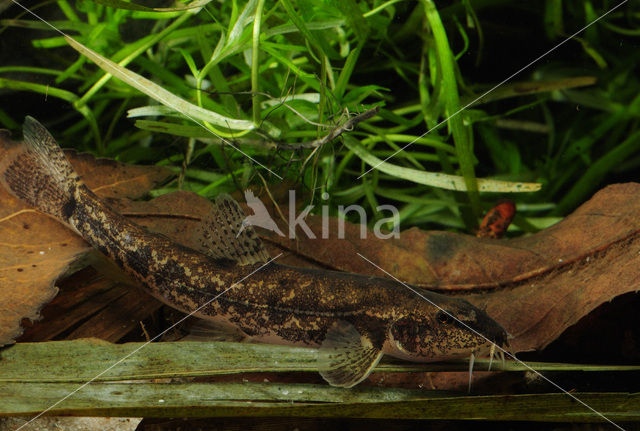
(436, 179)
(157, 92)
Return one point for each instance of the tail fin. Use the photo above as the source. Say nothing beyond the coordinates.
(38, 173)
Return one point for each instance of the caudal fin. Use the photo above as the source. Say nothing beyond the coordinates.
(38, 172)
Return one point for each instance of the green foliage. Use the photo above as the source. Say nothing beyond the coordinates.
(257, 74)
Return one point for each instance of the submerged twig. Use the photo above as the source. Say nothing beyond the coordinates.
(339, 130)
(270, 144)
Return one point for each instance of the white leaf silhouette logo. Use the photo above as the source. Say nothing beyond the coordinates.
(260, 217)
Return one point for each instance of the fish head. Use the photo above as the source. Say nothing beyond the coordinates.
(438, 327)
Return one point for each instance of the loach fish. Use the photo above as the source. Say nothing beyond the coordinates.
(353, 319)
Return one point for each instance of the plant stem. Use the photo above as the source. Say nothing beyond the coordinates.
(255, 62)
(451, 98)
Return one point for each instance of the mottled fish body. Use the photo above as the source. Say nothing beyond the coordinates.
(354, 319)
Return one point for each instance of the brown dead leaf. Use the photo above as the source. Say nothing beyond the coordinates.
(90, 305)
(176, 215)
(81, 296)
(37, 250)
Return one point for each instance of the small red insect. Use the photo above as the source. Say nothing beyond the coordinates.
(497, 220)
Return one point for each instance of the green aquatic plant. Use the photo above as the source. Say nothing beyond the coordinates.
(228, 94)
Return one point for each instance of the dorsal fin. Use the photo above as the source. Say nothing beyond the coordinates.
(223, 234)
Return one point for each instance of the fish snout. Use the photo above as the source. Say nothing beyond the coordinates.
(491, 330)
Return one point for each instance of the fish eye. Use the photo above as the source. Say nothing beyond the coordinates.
(443, 317)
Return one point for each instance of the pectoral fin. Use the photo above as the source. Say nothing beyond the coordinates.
(346, 356)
